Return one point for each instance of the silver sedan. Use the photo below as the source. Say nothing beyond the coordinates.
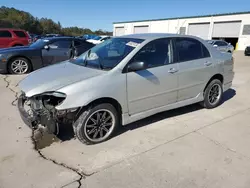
(124, 80)
(221, 45)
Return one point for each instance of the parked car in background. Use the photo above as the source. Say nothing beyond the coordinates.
(48, 51)
(221, 45)
(98, 39)
(35, 37)
(13, 37)
(247, 51)
(87, 37)
(52, 35)
(124, 80)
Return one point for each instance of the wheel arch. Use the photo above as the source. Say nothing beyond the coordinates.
(109, 100)
(17, 44)
(216, 76)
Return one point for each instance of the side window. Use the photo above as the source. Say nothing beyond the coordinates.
(205, 51)
(155, 53)
(188, 49)
(20, 34)
(60, 44)
(5, 34)
(77, 43)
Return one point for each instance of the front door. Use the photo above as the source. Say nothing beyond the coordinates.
(58, 51)
(157, 85)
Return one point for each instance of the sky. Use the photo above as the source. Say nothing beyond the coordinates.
(100, 14)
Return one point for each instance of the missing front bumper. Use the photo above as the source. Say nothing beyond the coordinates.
(33, 119)
(39, 114)
(30, 121)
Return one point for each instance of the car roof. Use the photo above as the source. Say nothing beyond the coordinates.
(57, 38)
(150, 36)
(12, 29)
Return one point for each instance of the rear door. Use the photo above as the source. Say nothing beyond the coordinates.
(5, 39)
(22, 37)
(195, 67)
(58, 51)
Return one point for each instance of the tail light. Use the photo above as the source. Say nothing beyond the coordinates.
(30, 40)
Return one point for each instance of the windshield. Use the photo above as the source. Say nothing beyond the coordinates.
(108, 54)
(39, 43)
(97, 38)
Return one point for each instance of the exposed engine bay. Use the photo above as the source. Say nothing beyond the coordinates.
(40, 110)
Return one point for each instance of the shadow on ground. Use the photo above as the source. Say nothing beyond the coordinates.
(66, 131)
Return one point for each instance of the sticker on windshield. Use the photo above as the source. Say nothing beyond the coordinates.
(45, 40)
(132, 44)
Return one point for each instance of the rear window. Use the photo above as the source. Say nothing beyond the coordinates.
(20, 34)
(188, 49)
(5, 34)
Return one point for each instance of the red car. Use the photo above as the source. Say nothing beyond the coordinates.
(13, 37)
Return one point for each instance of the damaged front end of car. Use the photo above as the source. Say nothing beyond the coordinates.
(40, 110)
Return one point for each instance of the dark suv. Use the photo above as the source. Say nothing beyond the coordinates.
(13, 37)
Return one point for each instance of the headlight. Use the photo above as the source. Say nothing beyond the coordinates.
(52, 99)
(56, 94)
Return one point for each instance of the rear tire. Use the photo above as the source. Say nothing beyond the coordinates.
(97, 124)
(213, 94)
(19, 65)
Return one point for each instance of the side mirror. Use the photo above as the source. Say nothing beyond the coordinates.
(215, 45)
(46, 47)
(136, 66)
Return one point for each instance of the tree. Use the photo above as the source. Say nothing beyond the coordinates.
(13, 18)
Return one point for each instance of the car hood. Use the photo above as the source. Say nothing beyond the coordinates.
(18, 48)
(55, 77)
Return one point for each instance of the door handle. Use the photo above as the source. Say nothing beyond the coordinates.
(172, 70)
(208, 63)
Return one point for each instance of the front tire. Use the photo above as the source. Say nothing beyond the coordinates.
(213, 94)
(97, 124)
(19, 65)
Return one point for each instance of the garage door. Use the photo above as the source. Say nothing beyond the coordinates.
(199, 29)
(141, 29)
(119, 31)
(226, 29)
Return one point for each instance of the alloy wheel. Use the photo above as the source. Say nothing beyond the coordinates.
(99, 125)
(19, 66)
(214, 94)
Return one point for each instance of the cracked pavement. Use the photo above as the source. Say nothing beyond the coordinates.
(185, 148)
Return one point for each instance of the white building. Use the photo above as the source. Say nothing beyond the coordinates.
(231, 27)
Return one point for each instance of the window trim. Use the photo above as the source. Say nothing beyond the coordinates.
(124, 70)
(177, 51)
